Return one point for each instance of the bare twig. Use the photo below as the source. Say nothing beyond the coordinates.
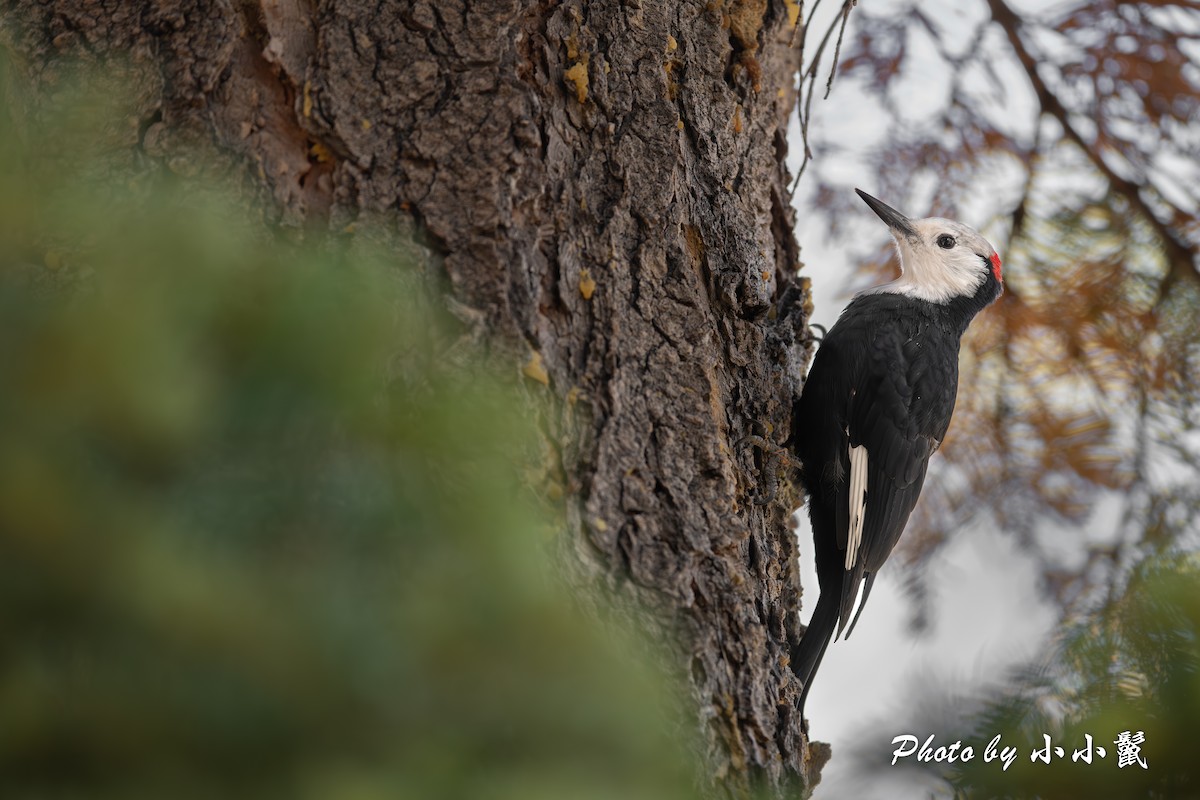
(809, 74)
(837, 48)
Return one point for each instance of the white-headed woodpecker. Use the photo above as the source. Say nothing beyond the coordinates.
(876, 405)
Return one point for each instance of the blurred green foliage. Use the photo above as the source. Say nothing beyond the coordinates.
(1133, 667)
(256, 538)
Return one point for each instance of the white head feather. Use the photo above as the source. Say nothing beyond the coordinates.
(940, 259)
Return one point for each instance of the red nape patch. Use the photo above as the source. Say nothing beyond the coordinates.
(995, 259)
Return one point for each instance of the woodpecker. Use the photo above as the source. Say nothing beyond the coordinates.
(875, 407)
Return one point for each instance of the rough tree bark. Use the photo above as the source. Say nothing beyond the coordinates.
(602, 181)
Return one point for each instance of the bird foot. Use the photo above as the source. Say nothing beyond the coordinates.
(774, 456)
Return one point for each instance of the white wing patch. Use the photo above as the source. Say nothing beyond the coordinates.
(858, 505)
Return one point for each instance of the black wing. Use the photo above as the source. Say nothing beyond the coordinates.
(899, 412)
(885, 380)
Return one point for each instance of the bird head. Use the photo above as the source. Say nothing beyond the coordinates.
(940, 259)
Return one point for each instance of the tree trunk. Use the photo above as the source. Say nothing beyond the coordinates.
(602, 181)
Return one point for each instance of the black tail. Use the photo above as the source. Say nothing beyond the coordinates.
(807, 655)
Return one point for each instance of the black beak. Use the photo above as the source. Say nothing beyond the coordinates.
(891, 217)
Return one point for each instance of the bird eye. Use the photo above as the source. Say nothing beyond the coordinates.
(945, 241)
